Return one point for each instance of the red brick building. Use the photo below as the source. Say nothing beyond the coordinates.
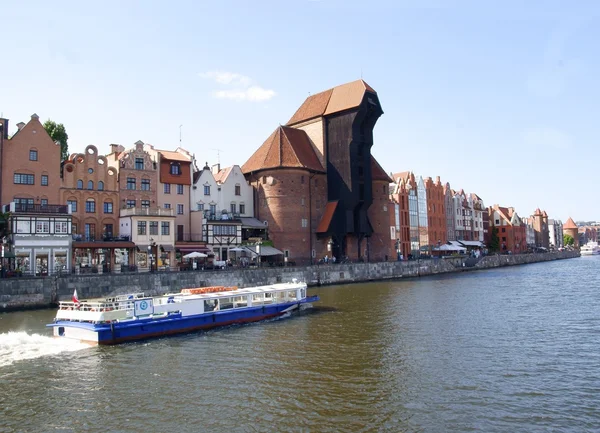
(436, 212)
(512, 233)
(316, 183)
(571, 229)
(399, 196)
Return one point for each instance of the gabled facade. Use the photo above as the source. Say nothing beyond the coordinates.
(399, 196)
(555, 233)
(138, 177)
(477, 208)
(409, 188)
(424, 246)
(539, 222)
(449, 212)
(30, 165)
(436, 212)
(511, 229)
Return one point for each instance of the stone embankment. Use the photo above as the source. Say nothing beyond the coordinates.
(25, 293)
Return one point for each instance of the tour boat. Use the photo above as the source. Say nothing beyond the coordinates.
(136, 317)
(590, 249)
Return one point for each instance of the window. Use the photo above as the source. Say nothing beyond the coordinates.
(242, 209)
(42, 227)
(145, 184)
(24, 179)
(44, 202)
(233, 208)
(139, 163)
(304, 222)
(224, 230)
(74, 228)
(90, 205)
(108, 230)
(179, 209)
(90, 185)
(33, 156)
(154, 227)
(213, 208)
(44, 180)
(302, 180)
(167, 206)
(180, 189)
(73, 204)
(90, 170)
(141, 227)
(503, 229)
(130, 204)
(175, 169)
(100, 186)
(90, 232)
(61, 227)
(206, 189)
(238, 190)
(165, 228)
(79, 184)
(200, 206)
(131, 183)
(497, 222)
(23, 201)
(167, 188)
(145, 204)
(108, 207)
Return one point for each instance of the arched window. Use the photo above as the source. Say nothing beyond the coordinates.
(90, 184)
(79, 184)
(100, 186)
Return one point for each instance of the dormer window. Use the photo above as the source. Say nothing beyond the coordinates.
(175, 169)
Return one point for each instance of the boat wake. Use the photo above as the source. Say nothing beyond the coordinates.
(19, 346)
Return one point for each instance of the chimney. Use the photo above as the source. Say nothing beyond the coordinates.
(4, 127)
(20, 125)
(114, 148)
(216, 168)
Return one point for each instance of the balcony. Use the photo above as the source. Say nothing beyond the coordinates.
(189, 237)
(141, 211)
(39, 208)
(92, 238)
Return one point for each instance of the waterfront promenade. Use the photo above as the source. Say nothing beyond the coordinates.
(27, 293)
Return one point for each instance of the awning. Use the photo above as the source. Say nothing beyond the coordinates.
(448, 247)
(252, 223)
(471, 243)
(265, 251)
(323, 226)
(142, 247)
(191, 249)
(167, 247)
(103, 245)
(8, 254)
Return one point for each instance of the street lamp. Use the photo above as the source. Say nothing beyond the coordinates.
(150, 257)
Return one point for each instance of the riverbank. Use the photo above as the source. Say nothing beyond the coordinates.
(33, 293)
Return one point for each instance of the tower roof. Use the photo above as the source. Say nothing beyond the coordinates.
(285, 147)
(570, 224)
(335, 100)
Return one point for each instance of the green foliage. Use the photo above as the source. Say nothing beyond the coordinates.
(568, 240)
(58, 133)
(4, 224)
(494, 240)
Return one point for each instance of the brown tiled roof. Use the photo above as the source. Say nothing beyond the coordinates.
(286, 147)
(173, 156)
(402, 175)
(331, 101)
(323, 226)
(222, 174)
(570, 224)
(377, 172)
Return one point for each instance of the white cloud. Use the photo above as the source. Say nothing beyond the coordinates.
(241, 87)
(254, 94)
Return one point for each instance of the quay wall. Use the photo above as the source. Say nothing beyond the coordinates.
(30, 293)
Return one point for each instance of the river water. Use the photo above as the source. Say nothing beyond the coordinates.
(506, 350)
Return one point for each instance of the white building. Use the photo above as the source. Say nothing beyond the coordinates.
(222, 205)
(555, 233)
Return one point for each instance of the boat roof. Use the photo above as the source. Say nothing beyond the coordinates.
(241, 292)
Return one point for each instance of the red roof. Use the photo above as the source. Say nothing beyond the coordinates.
(377, 172)
(570, 224)
(323, 226)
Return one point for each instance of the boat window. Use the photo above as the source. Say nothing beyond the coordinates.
(291, 295)
(210, 305)
(303, 293)
(280, 297)
(258, 299)
(225, 303)
(269, 298)
(240, 301)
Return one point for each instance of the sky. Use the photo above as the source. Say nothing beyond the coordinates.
(497, 98)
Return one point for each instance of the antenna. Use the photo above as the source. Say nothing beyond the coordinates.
(180, 134)
(218, 155)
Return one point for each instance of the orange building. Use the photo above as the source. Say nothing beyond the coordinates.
(512, 232)
(571, 229)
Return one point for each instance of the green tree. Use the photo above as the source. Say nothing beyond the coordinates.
(57, 132)
(568, 240)
(494, 240)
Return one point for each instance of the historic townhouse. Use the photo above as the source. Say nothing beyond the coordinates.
(222, 209)
(436, 212)
(450, 212)
(462, 216)
(555, 233)
(539, 222)
(477, 208)
(409, 183)
(424, 244)
(90, 186)
(30, 165)
(511, 229)
(400, 218)
(314, 178)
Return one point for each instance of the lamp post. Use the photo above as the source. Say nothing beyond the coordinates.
(150, 257)
(258, 251)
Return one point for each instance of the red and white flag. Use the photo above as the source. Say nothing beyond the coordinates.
(75, 298)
